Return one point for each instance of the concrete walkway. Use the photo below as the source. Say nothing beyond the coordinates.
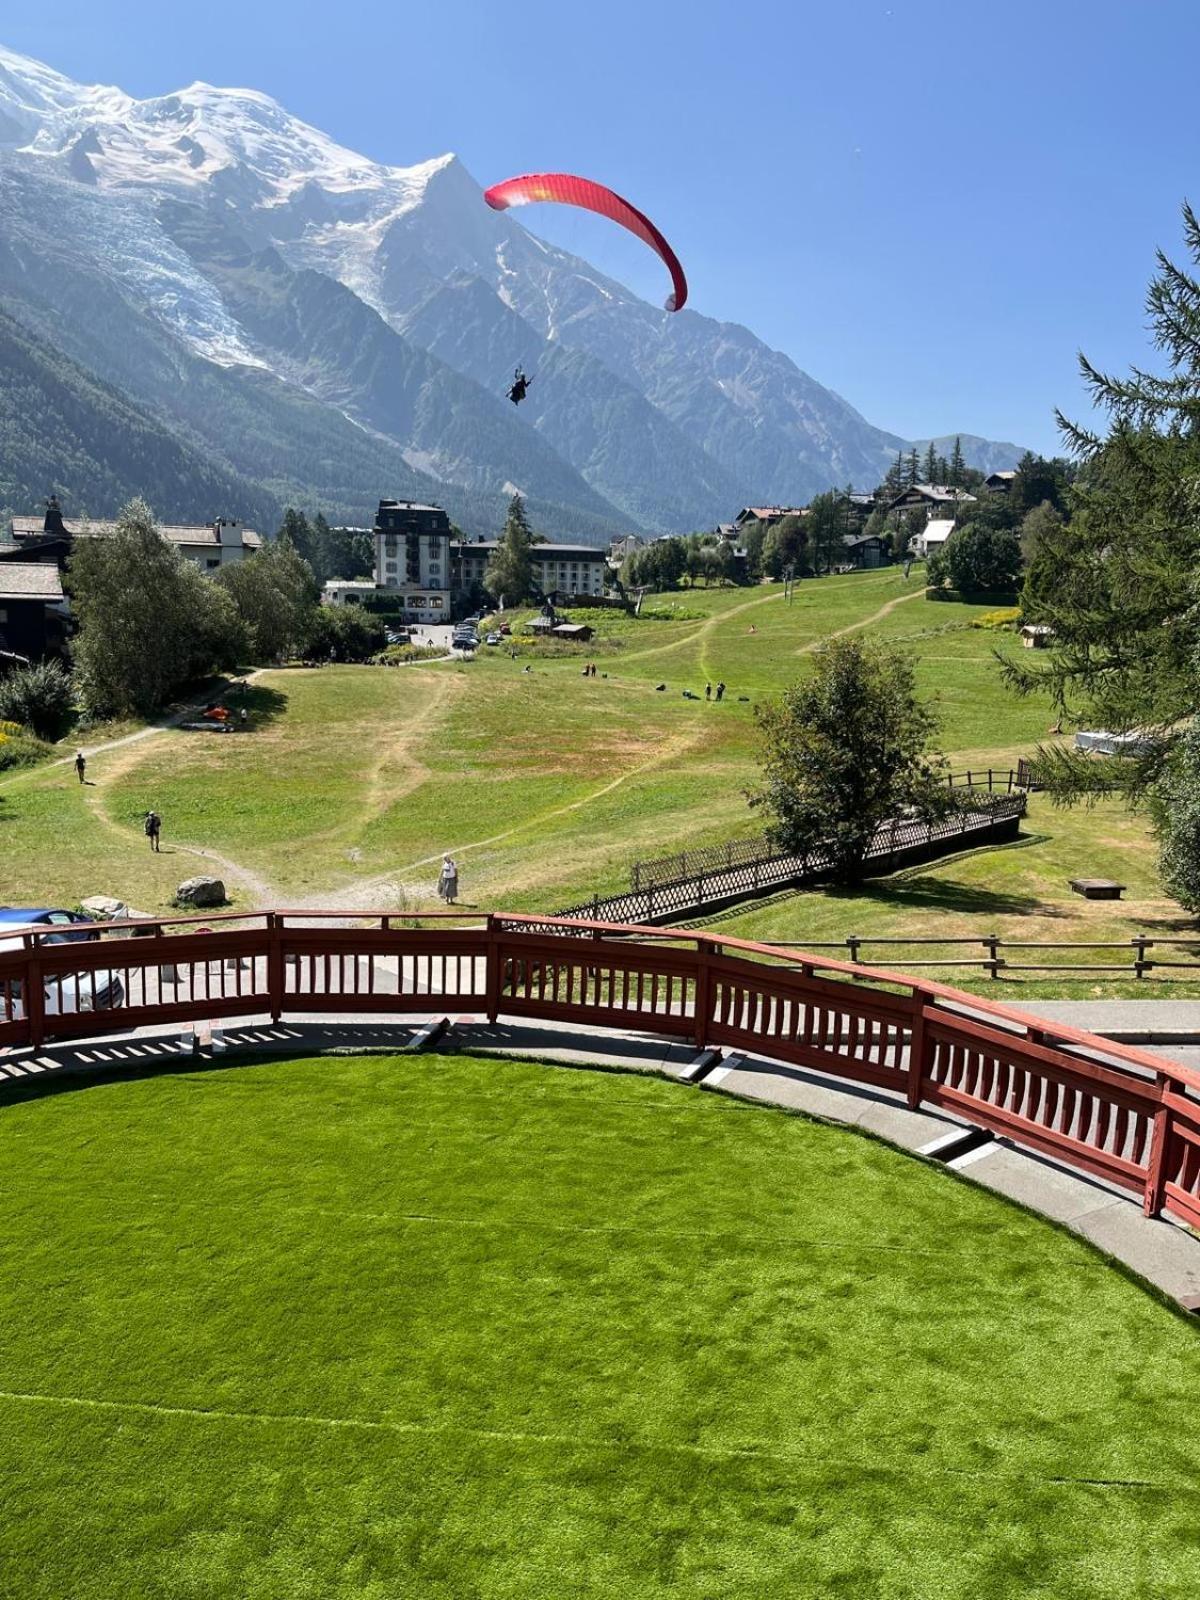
(1164, 1253)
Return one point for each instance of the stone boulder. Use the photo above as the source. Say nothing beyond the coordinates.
(201, 892)
(104, 908)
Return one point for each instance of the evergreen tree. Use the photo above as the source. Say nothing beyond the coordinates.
(825, 526)
(930, 465)
(956, 476)
(510, 571)
(943, 470)
(894, 481)
(912, 469)
(1118, 584)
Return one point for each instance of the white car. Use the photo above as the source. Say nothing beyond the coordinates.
(92, 990)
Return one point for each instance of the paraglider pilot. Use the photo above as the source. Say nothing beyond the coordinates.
(520, 384)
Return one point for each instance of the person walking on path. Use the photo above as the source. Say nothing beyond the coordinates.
(81, 767)
(448, 880)
(708, 691)
(720, 692)
(153, 829)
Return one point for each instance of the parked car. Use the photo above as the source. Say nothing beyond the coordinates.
(492, 638)
(94, 990)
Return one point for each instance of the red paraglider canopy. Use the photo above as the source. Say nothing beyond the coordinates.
(571, 191)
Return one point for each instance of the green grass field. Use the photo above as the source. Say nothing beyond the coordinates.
(448, 1327)
(547, 785)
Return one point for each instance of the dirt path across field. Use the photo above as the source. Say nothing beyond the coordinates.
(863, 622)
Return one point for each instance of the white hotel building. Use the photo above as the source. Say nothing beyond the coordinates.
(422, 571)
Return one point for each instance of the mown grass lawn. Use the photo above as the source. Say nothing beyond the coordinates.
(547, 785)
(452, 1327)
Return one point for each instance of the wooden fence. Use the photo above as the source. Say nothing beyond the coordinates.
(687, 865)
(896, 844)
(1138, 961)
(1109, 1110)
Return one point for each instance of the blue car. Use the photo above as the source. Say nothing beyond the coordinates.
(94, 990)
(56, 927)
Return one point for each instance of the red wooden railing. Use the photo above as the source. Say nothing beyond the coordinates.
(1109, 1110)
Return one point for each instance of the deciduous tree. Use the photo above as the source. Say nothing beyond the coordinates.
(149, 620)
(845, 750)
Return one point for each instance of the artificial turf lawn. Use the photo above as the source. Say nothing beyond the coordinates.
(450, 1327)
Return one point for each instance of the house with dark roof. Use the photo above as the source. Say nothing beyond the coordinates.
(934, 497)
(34, 617)
(211, 545)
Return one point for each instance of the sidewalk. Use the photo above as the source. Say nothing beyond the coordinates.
(1163, 1252)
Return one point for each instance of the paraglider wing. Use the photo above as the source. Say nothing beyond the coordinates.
(567, 190)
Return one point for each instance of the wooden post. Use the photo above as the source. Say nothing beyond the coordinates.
(1140, 945)
(703, 1000)
(918, 1050)
(35, 997)
(992, 964)
(1160, 1137)
(492, 970)
(853, 941)
(275, 965)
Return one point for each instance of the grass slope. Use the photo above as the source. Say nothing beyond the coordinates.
(547, 785)
(479, 1329)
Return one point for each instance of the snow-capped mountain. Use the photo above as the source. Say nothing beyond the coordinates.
(236, 236)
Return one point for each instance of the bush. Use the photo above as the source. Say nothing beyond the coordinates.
(39, 698)
(398, 653)
(19, 748)
(1005, 617)
(345, 633)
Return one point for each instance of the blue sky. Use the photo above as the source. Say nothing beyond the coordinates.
(929, 205)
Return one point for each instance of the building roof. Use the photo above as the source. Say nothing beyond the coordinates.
(937, 530)
(538, 552)
(853, 540)
(368, 585)
(30, 580)
(763, 513)
(173, 532)
(1000, 477)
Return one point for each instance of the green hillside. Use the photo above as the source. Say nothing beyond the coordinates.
(65, 430)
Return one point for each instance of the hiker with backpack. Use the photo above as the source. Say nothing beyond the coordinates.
(153, 829)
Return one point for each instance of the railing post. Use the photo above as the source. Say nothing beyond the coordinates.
(703, 994)
(918, 1050)
(853, 941)
(992, 964)
(1160, 1137)
(1140, 944)
(274, 965)
(35, 997)
(492, 970)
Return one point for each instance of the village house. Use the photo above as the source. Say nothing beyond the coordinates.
(867, 549)
(34, 616)
(48, 538)
(999, 482)
(770, 515)
(932, 537)
(934, 497)
(621, 549)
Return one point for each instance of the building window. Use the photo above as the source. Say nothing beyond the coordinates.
(416, 600)
(213, 561)
(436, 602)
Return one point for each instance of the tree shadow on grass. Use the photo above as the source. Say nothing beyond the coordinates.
(262, 705)
(928, 893)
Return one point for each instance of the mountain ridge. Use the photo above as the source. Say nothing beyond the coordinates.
(637, 419)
